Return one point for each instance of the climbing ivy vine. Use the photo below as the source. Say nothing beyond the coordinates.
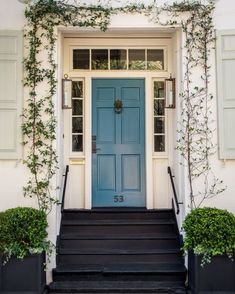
(196, 131)
(39, 127)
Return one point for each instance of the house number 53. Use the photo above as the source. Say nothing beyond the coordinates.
(118, 198)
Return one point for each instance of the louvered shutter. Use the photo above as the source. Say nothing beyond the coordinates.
(226, 92)
(11, 92)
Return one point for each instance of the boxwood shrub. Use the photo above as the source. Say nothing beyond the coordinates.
(209, 232)
(23, 231)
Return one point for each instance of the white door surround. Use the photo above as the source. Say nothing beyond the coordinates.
(80, 177)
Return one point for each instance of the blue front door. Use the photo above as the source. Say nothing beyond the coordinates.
(118, 140)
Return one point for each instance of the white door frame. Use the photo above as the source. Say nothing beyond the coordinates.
(148, 138)
(148, 76)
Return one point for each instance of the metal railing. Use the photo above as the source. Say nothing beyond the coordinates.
(174, 190)
(64, 187)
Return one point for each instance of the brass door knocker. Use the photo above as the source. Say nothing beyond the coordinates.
(118, 106)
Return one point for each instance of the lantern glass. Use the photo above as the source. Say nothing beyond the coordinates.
(170, 93)
(66, 93)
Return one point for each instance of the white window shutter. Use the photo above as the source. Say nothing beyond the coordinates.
(226, 92)
(11, 92)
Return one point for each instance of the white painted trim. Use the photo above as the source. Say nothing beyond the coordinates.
(148, 136)
(149, 142)
(88, 151)
(148, 76)
(60, 127)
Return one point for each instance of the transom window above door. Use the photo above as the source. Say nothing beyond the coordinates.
(118, 59)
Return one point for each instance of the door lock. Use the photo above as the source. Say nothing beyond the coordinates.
(94, 149)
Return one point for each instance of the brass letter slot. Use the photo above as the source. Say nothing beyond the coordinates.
(76, 161)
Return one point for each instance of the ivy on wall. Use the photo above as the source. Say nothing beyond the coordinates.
(196, 131)
(39, 126)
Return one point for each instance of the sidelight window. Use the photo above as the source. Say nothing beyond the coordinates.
(77, 116)
(159, 117)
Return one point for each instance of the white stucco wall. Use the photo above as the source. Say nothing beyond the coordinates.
(11, 15)
(13, 175)
(12, 18)
(225, 14)
(225, 170)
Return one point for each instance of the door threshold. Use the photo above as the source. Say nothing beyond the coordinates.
(118, 209)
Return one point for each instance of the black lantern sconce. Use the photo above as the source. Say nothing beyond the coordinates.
(66, 93)
(170, 93)
(118, 106)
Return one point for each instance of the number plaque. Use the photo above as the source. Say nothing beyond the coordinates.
(118, 198)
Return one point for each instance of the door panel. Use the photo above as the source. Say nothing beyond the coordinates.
(105, 125)
(106, 172)
(106, 94)
(130, 93)
(118, 163)
(131, 177)
(131, 126)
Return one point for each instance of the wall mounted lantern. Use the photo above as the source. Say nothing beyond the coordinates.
(170, 93)
(66, 92)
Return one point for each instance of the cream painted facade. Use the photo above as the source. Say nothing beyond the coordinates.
(13, 173)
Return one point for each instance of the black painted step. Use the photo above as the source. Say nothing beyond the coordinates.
(118, 251)
(122, 227)
(123, 268)
(122, 272)
(115, 236)
(120, 213)
(119, 256)
(117, 287)
(131, 243)
(116, 222)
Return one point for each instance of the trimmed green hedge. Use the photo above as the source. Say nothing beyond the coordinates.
(23, 231)
(209, 232)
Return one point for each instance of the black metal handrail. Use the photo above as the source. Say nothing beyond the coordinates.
(64, 187)
(174, 190)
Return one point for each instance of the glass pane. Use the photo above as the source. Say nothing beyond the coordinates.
(159, 89)
(159, 125)
(159, 107)
(136, 59)
(159, 143)
(77, 125)
(99, 59)
(155, 59)
(77, 107)
(81, 59)
(77, 89)
(77, 143)
(118, 59)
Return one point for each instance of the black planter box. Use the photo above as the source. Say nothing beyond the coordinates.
(25, 276)
(216, 277)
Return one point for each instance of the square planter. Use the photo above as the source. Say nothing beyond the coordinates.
(216, 277)
(25, 276)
